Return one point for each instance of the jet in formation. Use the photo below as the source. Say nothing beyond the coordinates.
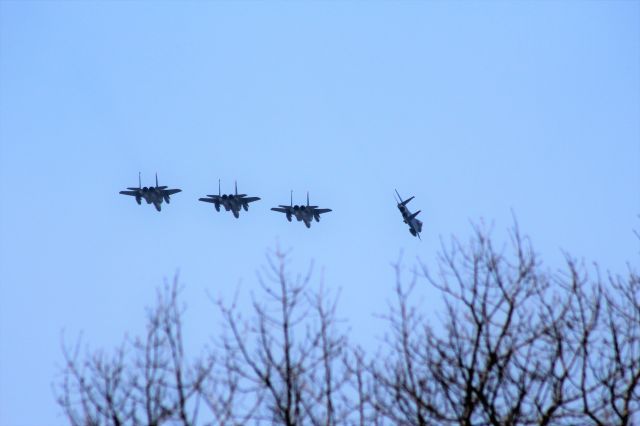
(302, 213)
(230, 202)
(156, 195)
(152, 195)
(415, 225)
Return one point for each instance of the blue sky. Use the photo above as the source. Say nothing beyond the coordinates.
(478, 109)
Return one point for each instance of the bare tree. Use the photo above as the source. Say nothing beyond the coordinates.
(146, 381)
(517, 345)
(612, 366)
(289, 355)
(285, 365)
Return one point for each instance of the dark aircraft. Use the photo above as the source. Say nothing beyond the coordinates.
(233, 202)
(302, 213)
(415, 225)
(152, 194)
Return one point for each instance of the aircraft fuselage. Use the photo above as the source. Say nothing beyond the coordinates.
(415, 225)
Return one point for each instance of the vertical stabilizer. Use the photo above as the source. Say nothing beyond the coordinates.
(292, 198)
(307, 198)
(236, 187)
(219, 193)
(156, 179)
(139, 180)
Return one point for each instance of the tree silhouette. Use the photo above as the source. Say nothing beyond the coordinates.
(146, 381)
(516, 344)
(288, 356)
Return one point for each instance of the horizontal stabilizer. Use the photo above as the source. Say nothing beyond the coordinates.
(213, 196)
(405, 202)
(206, 200)
(133, 189)
(415, 214)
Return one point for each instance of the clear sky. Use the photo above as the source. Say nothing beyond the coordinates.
(476, 108)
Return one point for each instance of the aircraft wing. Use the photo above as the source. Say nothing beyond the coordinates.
(250, 199)
(134, 193)
(171, 191)
(279, 209)
(320, 211)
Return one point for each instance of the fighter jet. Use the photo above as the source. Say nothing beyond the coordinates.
(302, 213)
(152, 194)
(415, 225)
(233, 202)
